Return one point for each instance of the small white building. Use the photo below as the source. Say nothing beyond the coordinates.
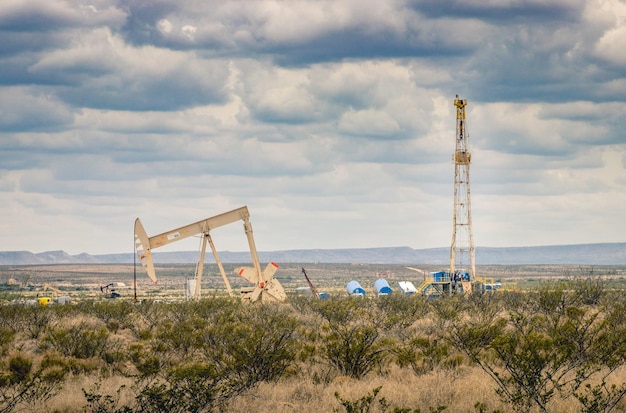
(407, 287)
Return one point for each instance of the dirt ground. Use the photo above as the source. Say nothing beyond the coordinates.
(81, 281)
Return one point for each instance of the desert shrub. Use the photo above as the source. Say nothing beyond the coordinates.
(419, 346)
(111, 310)
(358, 336)
(178, 311)
(55, 359)
(423, 354)
(202, 312)
(600, 397)
(113, 326)
(398, 312)
(363, 404)
(147, 315)
(189, 388)
(548, 343)
(144, 334)
(341, 310)
(19, 368)
(301, 303)
(589, 290)
(446, 311)
(7, 335)
(36, 319)
(366, 404)
(23, 384)
(182, 336)
(64, 311)
(565, 340)
(247, 346)
(79, 341)
(145, 361)
(481, 407)
(551, 300)
(260, 344)
(115, 353)
(12, 316)
(354, 349)
(104, 403)
(610, 352)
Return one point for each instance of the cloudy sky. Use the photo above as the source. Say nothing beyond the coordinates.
(333, 121)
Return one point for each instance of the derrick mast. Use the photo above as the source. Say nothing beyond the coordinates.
(462, 246)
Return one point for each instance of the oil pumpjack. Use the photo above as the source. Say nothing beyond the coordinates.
(266, 287)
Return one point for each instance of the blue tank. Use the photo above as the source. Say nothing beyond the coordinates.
(382, 287)
(440, 276)
(354, 288)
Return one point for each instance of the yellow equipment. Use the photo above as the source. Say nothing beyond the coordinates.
(44, 300)
(57, 296)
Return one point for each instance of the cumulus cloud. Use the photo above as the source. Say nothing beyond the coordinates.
(24, 108)
(368, 123)
(609, 47)
(332, 119)
(98, 70)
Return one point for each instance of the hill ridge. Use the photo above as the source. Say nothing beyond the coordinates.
(589, 254)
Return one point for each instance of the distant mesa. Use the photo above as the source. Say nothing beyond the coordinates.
(587, 254)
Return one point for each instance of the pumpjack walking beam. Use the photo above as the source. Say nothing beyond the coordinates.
(144, 244)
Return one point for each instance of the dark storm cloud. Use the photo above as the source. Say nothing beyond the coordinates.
(54, 44)
(163, 93)
(94, 72)
(37, 25)
(142, 18)
(21, 43)
(519, 51)
(227, 29)
(532, 51)
(502, 12)
(359, 43)
(37, 16)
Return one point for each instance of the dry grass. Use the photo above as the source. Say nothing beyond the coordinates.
(458, 391)
(72, 398)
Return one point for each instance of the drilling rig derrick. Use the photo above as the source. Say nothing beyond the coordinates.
(462, 260)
